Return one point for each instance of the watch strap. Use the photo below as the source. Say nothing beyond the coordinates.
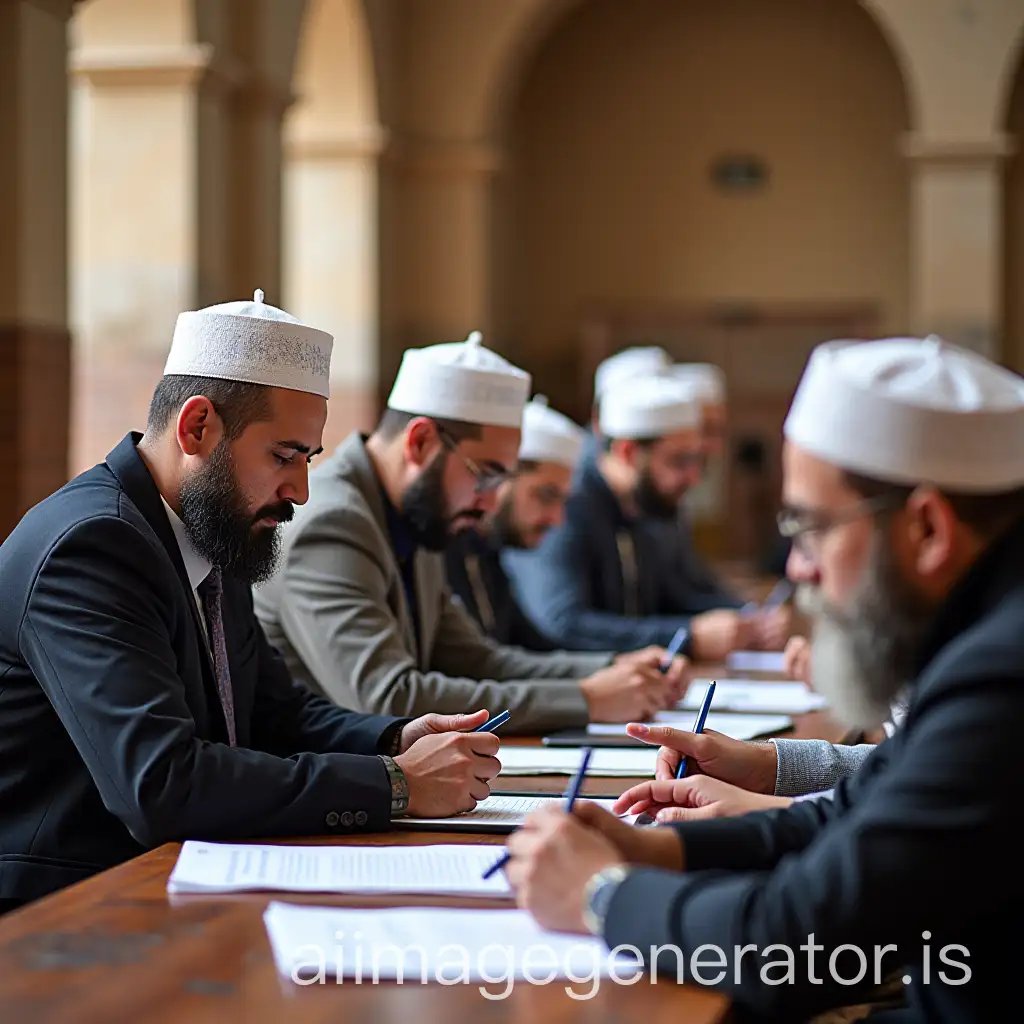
(399, 786)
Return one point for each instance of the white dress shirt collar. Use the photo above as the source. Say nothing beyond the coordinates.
(197, 568)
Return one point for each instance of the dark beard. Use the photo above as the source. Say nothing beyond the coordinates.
(214, 513)
(425, 509)
(650, 502)
(504, 530)
(863, 657)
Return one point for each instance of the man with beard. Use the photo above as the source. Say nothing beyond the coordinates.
(904, 498)
(361, 609)
(732, 776)
(141, 702)
(610, 575)
(530, 503)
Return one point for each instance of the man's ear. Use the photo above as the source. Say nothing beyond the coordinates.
(198, 428)
(419, 441)
(932, 528)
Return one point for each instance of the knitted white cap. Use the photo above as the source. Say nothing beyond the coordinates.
(912, 411)
(254, 343)
(649, 407)
(639, 361)
(461, 380)
(548, 436)
(708, 379)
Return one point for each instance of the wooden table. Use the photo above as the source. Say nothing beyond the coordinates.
(116, 948)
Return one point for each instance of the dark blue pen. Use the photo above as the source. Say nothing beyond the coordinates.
(674, 648)
(492, 723)
(572, 792)
(699, 725)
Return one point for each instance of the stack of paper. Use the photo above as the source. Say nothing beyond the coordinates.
(786, 697)
(739, 727)
(757, 661)
(421, 945)
(610, 762)
(224, 867)
(498, 813)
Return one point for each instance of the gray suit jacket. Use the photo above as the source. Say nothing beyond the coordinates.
(337, 612)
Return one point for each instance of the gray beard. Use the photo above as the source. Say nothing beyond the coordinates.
(862, 658)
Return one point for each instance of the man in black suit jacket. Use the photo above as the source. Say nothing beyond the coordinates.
(140, 702)
(904, 487)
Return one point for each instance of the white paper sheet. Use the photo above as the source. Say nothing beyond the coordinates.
(225, 867)
(784, 697)
(757, 661)
(498, 813)
(739, 727)
(608, 761)
(417, 945)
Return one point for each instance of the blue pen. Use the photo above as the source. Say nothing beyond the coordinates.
(674, 647)
(571, 793)
(492, 723)
(699, 725)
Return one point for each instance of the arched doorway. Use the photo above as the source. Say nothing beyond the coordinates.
(722, 179)
(332, 145)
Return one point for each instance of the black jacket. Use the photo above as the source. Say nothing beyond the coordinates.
(112, 739)
(477, 578)
(922, 841)
(601, 580)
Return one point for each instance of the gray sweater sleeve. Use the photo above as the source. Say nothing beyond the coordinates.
(810, 766)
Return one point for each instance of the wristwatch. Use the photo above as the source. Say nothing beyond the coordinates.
(399, 786)
(597, 896)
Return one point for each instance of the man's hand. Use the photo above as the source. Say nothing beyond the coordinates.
(798, 659)
(431, 725)
(645, 655)
(635, 689)
(554, 855)
(448, 771)
(693, 799)
(716, 634)
(750, 766)
(772, 628)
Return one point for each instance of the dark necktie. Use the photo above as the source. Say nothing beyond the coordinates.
(210, 591)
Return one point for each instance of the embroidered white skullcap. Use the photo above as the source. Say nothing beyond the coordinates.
(649, 407)
(548, 436)
(254, 343)
(912, 411)
(461, 380)
(708, 379)
(639, 361)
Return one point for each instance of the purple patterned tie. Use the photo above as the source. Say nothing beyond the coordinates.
(210, 591)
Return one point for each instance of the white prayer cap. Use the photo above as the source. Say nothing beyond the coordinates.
(912, 411)
(641, 360)
(254, 343)
(649, 407)
(461, 380)
(548, 436)
(708, 379)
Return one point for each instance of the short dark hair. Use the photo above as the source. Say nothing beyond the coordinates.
(986, 514)
(237, 403)
(393, 422)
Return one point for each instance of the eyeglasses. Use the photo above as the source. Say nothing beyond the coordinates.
(487, 480)
(806, 529)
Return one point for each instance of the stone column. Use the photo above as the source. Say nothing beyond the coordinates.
(151, 165)
(957, 240)
(330, 265)
(34, 338)
(436, 245)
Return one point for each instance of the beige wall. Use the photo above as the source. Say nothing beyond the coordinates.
(624, 113)
(444, 170)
